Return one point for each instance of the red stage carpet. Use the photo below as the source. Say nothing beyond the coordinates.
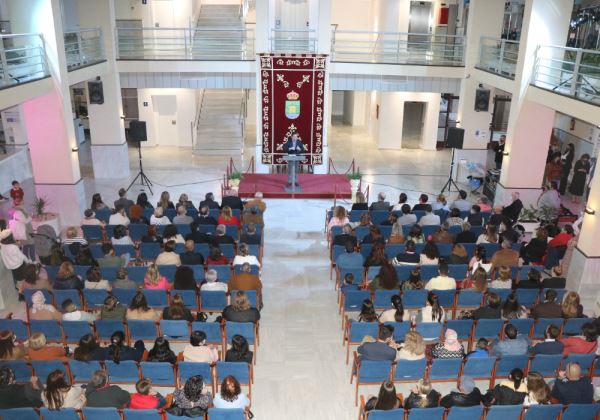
(313, 186)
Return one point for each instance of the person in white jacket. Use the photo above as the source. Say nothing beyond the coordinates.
(12, 257)
(245, 257)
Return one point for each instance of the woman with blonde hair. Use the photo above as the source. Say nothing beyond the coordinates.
(422, 396)
(571, 306)
(165, 201)
(503, 281)
(396, 237)
(413, 347)
(440, 203)
(226, 217)
(360, 202)
(154, 280)
(538, 391)
(477, 282)
(40, 350)
(339, 218)
(241, 310)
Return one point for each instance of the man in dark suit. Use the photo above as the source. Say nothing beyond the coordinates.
(513, 210)
(422, 204)
(233, 201)
(408, 257)
(549, 345)
(466, 236)
(549, 308)
(197, 236)
(293, 147)
(345, 236)
(380, 204)
(204, 217)
(379, 350)
(221, 237)
(209, 201)
(191, 257)
(123, 200)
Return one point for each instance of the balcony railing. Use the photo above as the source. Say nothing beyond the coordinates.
(22, 59)
(573, 72)
(397, 48)
(185, 44)
(293, 40)
(498, 56)
(83, 48)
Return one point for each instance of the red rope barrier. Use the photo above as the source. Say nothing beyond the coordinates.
(331, 165)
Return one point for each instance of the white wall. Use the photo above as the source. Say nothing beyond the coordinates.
(69, 15)
(291, 14)
(391, 111)
(129, 9)
(348, 107)
(163, 107)
(353, 15)
(337, 103)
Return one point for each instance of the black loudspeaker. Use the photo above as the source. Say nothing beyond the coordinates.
(456, 137)
(137, 130)
(95, 92)
(482, 100)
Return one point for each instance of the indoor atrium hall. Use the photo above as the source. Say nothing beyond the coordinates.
(274, 209)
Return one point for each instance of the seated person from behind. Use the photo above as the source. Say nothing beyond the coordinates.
(481, 349)
(40, 350)
(380, 349)
(422, 204)
(71, 313)
(212, 284)
(345, 236)
(250, 236)
(550, 345)
(190, 256)
(245, 280)
(13, 395)
(429, 218)
(386, 279)
(239, 351)
(407, 217)
(408, 257)
(204, 217)
(111, 310)
(492, 308)
(40, 310)
(146, 398)
(587, 343)
(466, 236)
(450, 348)
(119, 217)
(571, 387)
(221, 237)
(533, 281)
(154, 280)
(514, 344)
(177, 311)
(467, 394)
(348, 283)
(380, 204)
(198, 350)
(182, 218)
(244, 256)
(461, 202)
(139, 309)
(454, 218)
(100, 393)
(422, 396)
(168, 256)
(257, 201)
(505, 256)
(240, 310)
(549, 308)
(387, 399)
(209, 202)
(475, 218)
(110, 259)
(509, 392)
(442, 281)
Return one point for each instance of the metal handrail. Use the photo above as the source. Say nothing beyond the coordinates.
(87, 47)
(498, 56)
(25, 62)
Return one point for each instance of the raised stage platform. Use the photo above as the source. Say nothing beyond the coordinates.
(313, 186)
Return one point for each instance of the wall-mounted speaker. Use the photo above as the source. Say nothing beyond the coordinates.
(95, 92)
(137, 130)
(482, 100)
(455, 137)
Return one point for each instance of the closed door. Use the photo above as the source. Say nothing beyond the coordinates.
(419, 22)
(165, 107)
(412, 124)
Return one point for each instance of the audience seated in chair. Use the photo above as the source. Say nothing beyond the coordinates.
(41, 311)
(39, 349)
(467, 394)
(429, 219)
(119, 217)
(177, 311)
(505, 256)
(350, 258)
(240, 310)
(386, 279)
(408, 257)
(71, 313)
(239, 351)
(466, 236)
(396, 313)
(89, 350)
(168, 256)
(538, 391)
(442, 281)
(244, 256)
(422, 204)
(413, 347)
(212, 284)
(450, 348)
(146, 397)
(380, 204)
(548, 308)
(461, 202)
(192, 400)
(245, 280)
(66, 278)
(13, 395)
(184, 278)
(123, 281)
(230, 395)
(571, 387)
(58, 394)
(509, 392)
(380, 349)
(204, 217)
(571, 306)
(209, 201)
(514, 344)
(251, 237)
(587, 343)
(139, 309)
(110, 259)
(198, 350)
(481, 349)
(345, 236)
(112, 310)
(387, 399)
(161, 352)
(100, 393)
(422, 396)
(551, 344)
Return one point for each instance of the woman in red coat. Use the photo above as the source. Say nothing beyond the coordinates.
(227, 218)
(587, 344)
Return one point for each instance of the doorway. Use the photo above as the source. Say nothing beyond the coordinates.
(412, 124)
(419, 22)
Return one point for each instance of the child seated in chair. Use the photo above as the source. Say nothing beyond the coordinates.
(146, 398)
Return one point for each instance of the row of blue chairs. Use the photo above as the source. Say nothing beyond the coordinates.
(149, 250)
(162, 374)
(452, 301)
(104, 214)
(370, 372)
(379, 216)
(91, 413)
(69, 332)
(95, 233)
(495, 412)
(466, 329)
(137, 273)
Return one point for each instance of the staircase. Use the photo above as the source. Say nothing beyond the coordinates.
(219, 33)
(220, 124)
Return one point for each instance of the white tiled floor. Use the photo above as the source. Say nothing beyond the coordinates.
(300, 369)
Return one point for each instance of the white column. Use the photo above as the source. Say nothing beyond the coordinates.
(110, 157)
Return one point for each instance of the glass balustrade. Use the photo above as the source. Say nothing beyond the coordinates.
(498, 56)
(22, 59)
(83, 48)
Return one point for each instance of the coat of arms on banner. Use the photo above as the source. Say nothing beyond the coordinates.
(292, 105)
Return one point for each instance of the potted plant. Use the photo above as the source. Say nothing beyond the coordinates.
(39, 208)
(354, 177)
(530, 218)
(234, 179)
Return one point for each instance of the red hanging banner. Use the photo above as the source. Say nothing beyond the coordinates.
(293, 100)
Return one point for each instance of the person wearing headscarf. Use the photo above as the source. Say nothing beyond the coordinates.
(450, 348)
(40, 310)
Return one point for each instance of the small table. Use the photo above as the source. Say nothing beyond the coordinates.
(293, 162)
